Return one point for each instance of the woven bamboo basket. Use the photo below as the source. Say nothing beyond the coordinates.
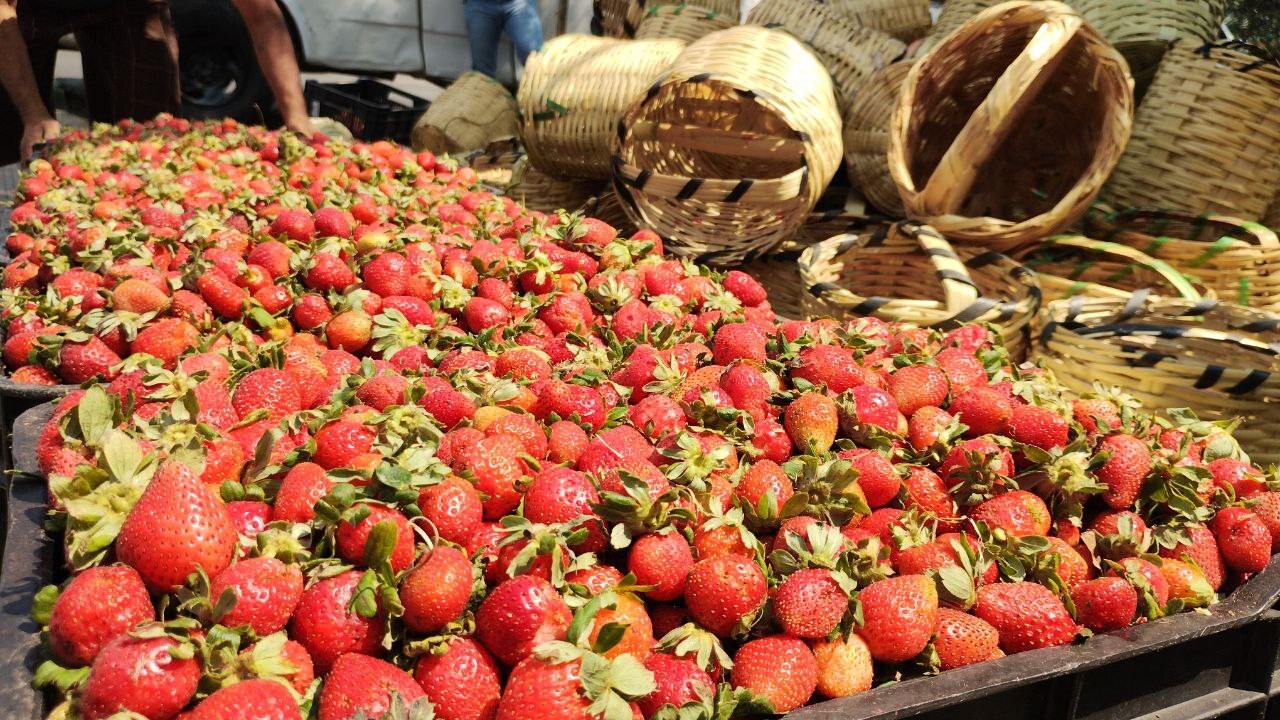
(638, 10)
(574, 91)
(469, 115)
(866, 138)
(682, 22)
(1005, 132)
(1205, 139)
(607, 206)
(1216, 358)
(852, 54)
(511, 174)
(1068, 265)
(726, 155)
(907, 272)
(1142, 30)
(1272, 220)
(954, 14)
(906, 20)
(1238, 260)
(609, 18)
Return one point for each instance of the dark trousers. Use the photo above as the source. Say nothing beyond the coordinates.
(130, 55)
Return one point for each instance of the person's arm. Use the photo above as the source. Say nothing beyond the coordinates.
(274, 48)
(20, 83)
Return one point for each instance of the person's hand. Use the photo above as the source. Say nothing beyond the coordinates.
(301, 125)
(36, 132)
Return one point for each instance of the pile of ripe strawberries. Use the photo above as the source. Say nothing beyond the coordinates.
(360, 439)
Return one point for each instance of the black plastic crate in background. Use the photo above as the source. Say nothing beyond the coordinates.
(370, 109)
(1192, 666)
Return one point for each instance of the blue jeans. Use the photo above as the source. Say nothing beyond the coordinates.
(486, 19)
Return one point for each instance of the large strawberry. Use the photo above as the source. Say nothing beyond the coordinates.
(143, 675)
(899, 615)
(1243, 538)
(812, 421)
(810, 603)
(352, 538)
(1198, 546)
(326, 624)
(1126, 468)
(678, 680)
(1027, 616)
(779, 668)
(462, 682)
(964, 639)
(550, 684)
(177, 525)
(844, 666)
(1106, 603)
(96, 607)
(248, 700)
(662, 562)
(436, 591)
(362, 684)
(453, 508)
(724, 590)
(518, 616)
(266, 592)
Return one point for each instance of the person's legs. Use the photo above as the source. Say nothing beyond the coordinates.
(484, 30)
(130, 56)
(524, 27)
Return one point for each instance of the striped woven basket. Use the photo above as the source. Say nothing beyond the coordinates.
(637, 10)
(907, 272)
(1219, 359)
(511, 174)
(1069, 265)
(1142, 30)
(1236, 259)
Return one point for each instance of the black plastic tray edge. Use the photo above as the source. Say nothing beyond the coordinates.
(25, 391)
(29, 555)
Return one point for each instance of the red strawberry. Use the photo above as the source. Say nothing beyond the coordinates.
(899, 615)
(519, 615)
(747, 386)
(333, 222)
(926, 491)
(462, 682)
(448, 406)
(436, 591)
(268, 388)
(495, 464)
(34, 375)
(662, 560)
(677, 679)
(176, 526)
(301, 488)
(97, 606)
(325, 625)
(1018, 513)
(1107, 603)
(811, 421)
(1027, 616)
(539, 689)
(764, 478)
(739, 341)
(351, 331)
(1038, 426)
(779, 668)
(297, 225)
(566, 401)
(1243, 538)
(560, 495)
(266, 591)
(746, 288)
(311, 312)
(1200, 548)
(917, 386)
(829, 365)
(139, 675)
(1244, 479)
(453, 508)
(963, 639)
(248, 700)
(362, 684)
(1096, 416)
(722, 590)
(80, 361)
(137, 296)
(1125, 470)
(272, 256)
(1268, 511)
(482, 314)
(340, 442)
(986, 410)
(388, 274)
(962, 368)
(225, 297)
(810, 603)
(876, 476)
(351, 538)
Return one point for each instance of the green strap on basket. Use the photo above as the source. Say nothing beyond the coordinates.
(553, 111)
(1218, 247)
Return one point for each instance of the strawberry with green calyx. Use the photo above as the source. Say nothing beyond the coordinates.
(1028, 558)
(1175, 494)
(339, 613)
(692, 464)
(962, 639)
(661, 562)
(725, 533)
(824, 488)
(1143, 573)
(779, 668)
(537, 549)
(1188, 587)
(1016, 512)
(1106, 603)
(958, 565)
(1027, 616)
(152, 672)
(362, 686)
(978, 469)
(931, 432)
(695, 699)
(1128, 462)
(248, 700)
(724, 593)
(1116, 535)
(1065, 477)
(274, 657)
(461, 680)
(812, 421)
(438, 591)
(898, 615)
(811, 603)
(638, 512)
(1194, 544)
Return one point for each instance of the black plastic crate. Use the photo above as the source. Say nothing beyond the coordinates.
(370, 109)
(1221, 664)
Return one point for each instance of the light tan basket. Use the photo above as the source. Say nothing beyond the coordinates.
(511, 173)
(1237, 259)
(1005, 132)
(1068, 265)
(852, 54)
(682, 22)
(469, 115)
(1205, 139)
(1142, 30)
(574, 91)
(609, 19)
(866, 138)
(607, 206)
(903, 19)
(907, 272)
(727, 154)
(1272, 220)
(954, 14)
(638, 10)
(1216, 358)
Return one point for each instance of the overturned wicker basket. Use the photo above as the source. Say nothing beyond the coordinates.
(954, 14)
(908, 272)
(469, 115)
(1205, 138)
(682, 22)
(1142, 30)
(1069, 265)
(1005, 131)
(1237, 259)
(574, 91)
(866, 138)
(1219, 359)
(852, 54)
(726, 155)
(903, 19)
(638, 10)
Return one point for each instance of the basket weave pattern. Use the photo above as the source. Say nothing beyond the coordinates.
(1205, 138)
(682, 22)
(852, 54)
(954, 14)
(1143, 29)
(574, 91)
(903, 19)
(968, 149)
(470, 114)
(638, 10)
(866, 138)
(726, 155)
